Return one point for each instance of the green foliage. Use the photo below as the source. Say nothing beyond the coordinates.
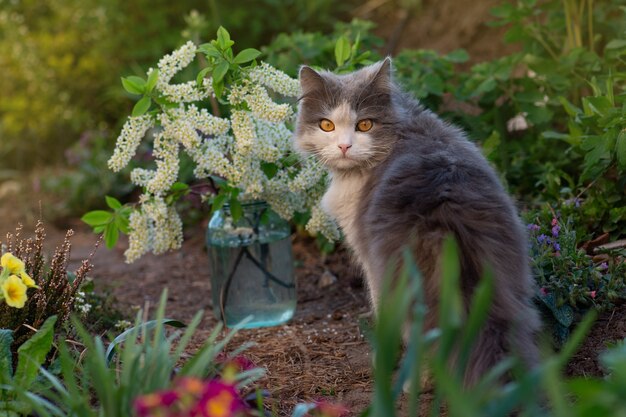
(146, 359)
(60, 63)
(551, 117)
(541, 391)
(569, 280)
(30, 356)
(341, 47)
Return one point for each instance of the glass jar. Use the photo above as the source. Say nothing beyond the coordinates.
(251, 267)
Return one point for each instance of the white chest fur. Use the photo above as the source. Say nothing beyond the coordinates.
(341, 201)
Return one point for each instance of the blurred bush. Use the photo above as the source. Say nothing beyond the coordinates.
(60, 67)
(61, 61)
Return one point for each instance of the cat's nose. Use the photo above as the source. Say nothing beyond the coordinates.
(344, 147)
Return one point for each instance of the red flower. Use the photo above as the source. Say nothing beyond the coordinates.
(146, 404)
(219, 399)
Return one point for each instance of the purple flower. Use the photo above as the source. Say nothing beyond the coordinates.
(533, 227)
(555, 230)
(603, 266)
(542, 238)
(557, 247)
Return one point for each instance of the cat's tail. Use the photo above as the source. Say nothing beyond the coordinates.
(496, 341)
(513, 322)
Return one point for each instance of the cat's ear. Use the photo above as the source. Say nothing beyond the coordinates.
(382, 76)
(310, 80)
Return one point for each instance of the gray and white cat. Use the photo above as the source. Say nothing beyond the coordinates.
(400, 176)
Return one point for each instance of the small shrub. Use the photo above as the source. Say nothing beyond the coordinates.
(57, 292)
(569, 281)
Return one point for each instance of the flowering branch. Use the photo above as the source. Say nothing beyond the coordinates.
(250, 152)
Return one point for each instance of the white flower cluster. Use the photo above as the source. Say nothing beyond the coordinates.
(275, 79)
(170, 64)
(187, 92)
(320, 222)
(263, 106)
(252, 151)
(156, 227)
(128, 141)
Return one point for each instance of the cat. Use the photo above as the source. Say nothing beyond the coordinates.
(401, 177)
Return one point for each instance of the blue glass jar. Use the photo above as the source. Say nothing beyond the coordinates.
(251, 267)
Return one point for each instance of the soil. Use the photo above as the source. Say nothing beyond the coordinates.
(321, 354)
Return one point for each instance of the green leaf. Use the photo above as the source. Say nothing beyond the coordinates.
(598, 105)
(223, 38)
(113, 202)
(616, 44)
(201, 75)
(220, 71)
(433, 84)
(342, 50)
(122, 223)
(458, 56)
(134, 84)
(219, 201)
(179, 186)
(152, 80)
(236, 211)
(6, 357)
(142, 106)
(491, 144)
(569, 107)
(269, 169)
(111, 234)
(246, 55)
(32, 354)
(218, 88)
(143, 327)
(620, 149)
(97, 217)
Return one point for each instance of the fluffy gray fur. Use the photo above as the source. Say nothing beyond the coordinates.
(412, 180)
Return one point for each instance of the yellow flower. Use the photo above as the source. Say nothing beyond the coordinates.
(14, 292)
(11, 263)
(16, 266)
(27, 280)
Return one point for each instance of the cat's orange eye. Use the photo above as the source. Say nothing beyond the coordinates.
(364, 125)
(326, 125)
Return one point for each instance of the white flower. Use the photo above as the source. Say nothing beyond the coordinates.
(129, 139)
(275, 79)
(243, 130)
(170, 64)
(264, 108)
(517, 123)
(321, 222)
(185, 92)
(139, 238)
(166, 152)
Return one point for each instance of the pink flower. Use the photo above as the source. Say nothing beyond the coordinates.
(592, 294)
(543, 291)
(554, 221)
(219, 399)
(240, 362)
(145, 405)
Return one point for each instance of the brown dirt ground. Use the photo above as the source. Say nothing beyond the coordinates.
(320, 354)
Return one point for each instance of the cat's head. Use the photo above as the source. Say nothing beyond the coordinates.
(346, 121)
